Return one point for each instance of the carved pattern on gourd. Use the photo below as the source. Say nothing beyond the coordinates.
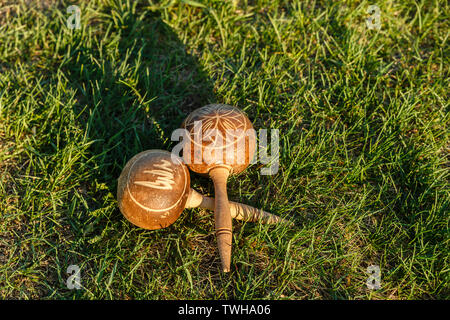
(164, 178)
(218, 123)
(176, 202)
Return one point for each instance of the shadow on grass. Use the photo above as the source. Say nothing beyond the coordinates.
(137, 96)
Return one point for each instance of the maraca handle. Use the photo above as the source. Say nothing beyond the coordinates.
(222, 215)
(238, 211)
(244, 212)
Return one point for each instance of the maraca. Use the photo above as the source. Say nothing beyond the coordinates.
(154, 188)
(220, 141)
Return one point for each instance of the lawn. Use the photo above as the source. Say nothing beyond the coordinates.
(363, 117)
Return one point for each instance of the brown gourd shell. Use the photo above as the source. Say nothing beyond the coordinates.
(226, 134)
(153, 189)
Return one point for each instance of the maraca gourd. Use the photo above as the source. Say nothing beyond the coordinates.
(154, 188)
(226, 146)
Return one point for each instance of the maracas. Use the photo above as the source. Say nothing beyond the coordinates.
(154, 188)
(220, 141)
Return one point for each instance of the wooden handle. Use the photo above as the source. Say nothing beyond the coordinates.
(238, 211)
(244, 212)
(222, 215)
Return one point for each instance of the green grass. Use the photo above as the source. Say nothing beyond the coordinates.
(364, 150)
